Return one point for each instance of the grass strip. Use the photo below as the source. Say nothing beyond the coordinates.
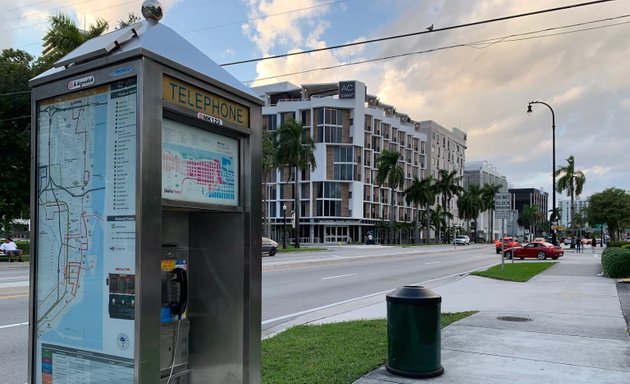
(520, 272)
(337, 353)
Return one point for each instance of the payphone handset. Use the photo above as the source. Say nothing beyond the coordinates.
(177, 291)
(174, 289)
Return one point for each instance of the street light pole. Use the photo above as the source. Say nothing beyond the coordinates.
(284, 235)
(554, 239)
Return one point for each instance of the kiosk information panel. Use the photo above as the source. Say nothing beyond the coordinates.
(86, 225)
(199, 166)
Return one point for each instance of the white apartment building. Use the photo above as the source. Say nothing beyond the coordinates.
(481, 173)
(339, 199)
(564, 207)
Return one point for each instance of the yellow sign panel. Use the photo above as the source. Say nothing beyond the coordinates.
(206, 103)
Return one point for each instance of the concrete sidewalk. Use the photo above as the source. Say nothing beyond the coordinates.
(571, 328)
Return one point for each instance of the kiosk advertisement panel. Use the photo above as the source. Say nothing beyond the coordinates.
(86, 235)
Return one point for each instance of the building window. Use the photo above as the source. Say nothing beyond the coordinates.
(328, 199)
(343, 163)
(270, 122)
(329, 125)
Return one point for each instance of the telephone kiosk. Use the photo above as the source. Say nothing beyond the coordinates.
(175, 327)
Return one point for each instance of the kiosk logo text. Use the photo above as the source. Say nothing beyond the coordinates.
(80, 83)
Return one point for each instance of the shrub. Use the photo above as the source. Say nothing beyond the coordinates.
(24, 245)
(616, 262)
(616, 244)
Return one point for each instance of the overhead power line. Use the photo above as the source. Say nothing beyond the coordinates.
(432, 30)
(476, 44)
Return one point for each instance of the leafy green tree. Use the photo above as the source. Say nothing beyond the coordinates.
(470, 204)
(529, 217)
(64, 35)
(421, 193)
(16, 68)
(572, 181)
(391, 173)
(487, 196)
(294, 150)
(610, 207)
(132, 18)
(448, 185)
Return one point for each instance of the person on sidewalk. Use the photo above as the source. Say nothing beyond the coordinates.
(578, 245)
(11, 249)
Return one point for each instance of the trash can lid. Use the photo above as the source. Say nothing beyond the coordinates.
(414, 294)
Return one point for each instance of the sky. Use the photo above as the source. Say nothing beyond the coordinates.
(478, 78)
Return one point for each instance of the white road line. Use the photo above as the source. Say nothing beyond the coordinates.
(338, 276)
(432, 262)
(13, 325)
(296, 314)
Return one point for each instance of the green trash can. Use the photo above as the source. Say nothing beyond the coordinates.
(413, 332)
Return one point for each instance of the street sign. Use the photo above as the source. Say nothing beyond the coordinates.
(502, 202)
(505, 215)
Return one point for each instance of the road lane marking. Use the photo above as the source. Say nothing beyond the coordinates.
(432, 262)
(307, 311)
(13, 325)
(13, 296)
(338, 276)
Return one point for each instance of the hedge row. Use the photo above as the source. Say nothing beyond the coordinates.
(616, 262)
(616, 244)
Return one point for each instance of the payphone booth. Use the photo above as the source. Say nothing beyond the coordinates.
(146, 208)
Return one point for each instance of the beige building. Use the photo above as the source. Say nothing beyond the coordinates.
(339, 199)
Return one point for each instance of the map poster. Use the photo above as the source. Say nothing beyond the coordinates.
(86, 225)
(198, 166)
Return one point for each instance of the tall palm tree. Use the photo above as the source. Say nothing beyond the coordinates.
(470, 204)
(268, 155)
(422, 193)
(448, 185)
(391, 173)
(294, 150)
(487, 195)
(64, 35)
(573, 182)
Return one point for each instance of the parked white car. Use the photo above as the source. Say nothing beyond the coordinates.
(461, 240)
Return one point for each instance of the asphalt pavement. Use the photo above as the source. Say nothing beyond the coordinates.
(565, 325)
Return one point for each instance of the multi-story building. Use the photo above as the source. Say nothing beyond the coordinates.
(340, 199)
(531, 196)
(483, 173)
(564, 210)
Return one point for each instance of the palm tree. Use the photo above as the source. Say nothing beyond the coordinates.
(391, 173)
(572, 181)
(530, 216)
(422, 193)
(294, 150)
(470, 204)
(487, 195)
(439, 217)
(63, 36)
(448, 186)
(268, 155)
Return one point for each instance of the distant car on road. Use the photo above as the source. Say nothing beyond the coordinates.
(509, 242)
(269, 246)
(538, 250)
(461, 240)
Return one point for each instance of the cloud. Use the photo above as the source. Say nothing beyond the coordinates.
(483, 84)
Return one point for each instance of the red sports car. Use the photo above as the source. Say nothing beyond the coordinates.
(509, 243)
(538, 250)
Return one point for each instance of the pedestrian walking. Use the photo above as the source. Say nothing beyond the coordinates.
(594, 242)
(578, 245)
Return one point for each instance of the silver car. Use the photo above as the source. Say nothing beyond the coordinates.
(461, 240)
(269, 247)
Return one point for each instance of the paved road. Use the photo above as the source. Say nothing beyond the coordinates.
(293, 284)
(296, 285)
